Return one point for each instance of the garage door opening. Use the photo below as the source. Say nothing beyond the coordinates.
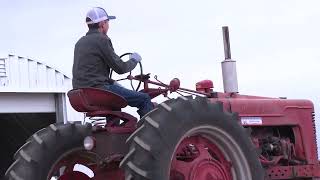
(15, 129)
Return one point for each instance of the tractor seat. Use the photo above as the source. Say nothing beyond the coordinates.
(93, 99)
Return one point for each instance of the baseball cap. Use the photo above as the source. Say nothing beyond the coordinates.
(98, 14)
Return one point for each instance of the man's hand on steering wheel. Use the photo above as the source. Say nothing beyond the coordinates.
(137, 58)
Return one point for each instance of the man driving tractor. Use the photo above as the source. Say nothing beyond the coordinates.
(94, 58)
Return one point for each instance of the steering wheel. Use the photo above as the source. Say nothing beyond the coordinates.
(141, 73)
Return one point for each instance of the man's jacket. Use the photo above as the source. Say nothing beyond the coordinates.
(93, 57)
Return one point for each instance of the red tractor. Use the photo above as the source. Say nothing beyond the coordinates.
(207, 135)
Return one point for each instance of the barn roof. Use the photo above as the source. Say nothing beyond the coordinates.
(21, 74)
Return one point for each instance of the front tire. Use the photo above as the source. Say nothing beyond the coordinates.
(191, 139)
(39, 157)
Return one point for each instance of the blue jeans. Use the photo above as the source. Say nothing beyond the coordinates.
(135, 99)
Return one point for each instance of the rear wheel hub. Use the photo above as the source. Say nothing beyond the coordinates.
(198, 158)
(209, 170)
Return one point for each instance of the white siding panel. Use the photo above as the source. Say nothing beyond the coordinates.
(2, 67)
(23, 72)
(6, 81)
(51, 78)
(14, 71)
(32, 66)
(41, 76)
(69, 82)
(28, 85)
(59, 79)
(3, 72)
(26, 102)
(73, 115)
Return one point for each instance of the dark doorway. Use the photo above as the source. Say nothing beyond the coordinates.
(15, 129)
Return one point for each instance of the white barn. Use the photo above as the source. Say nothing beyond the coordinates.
(28, 85)
(32, 96)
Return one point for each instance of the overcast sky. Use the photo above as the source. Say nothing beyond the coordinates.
(275, 42)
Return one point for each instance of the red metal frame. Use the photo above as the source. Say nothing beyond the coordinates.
(296, 115)
(110, 136)
(276, 112)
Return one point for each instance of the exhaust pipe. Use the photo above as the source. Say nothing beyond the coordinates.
(229, 69)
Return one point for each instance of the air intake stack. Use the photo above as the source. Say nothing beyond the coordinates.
(229, 70)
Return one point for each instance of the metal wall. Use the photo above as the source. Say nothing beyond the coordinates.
(19, 74)
(32, 96)
(27, 79)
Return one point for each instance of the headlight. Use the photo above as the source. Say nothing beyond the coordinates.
(89, 143)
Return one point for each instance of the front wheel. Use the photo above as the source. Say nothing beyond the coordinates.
(191, 139)
(54, 153)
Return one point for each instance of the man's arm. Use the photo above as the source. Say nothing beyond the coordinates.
(113, 60)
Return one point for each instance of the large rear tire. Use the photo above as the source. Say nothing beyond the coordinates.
(191, 139)
(48, 150)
